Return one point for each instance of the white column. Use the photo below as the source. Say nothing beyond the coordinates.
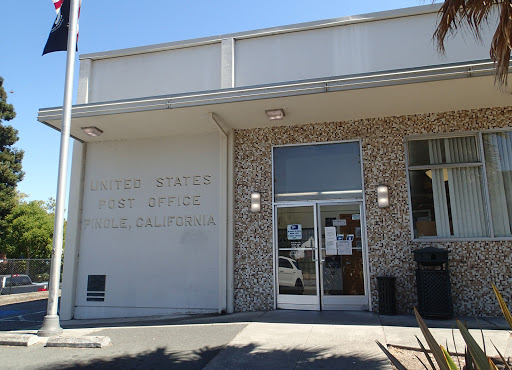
(228, 81)
(230, 252)
(227, 72)
(84, 80)
(225, 215)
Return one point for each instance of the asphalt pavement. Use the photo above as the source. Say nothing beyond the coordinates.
(23, 315)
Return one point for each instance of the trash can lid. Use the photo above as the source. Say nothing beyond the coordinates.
(431, 255)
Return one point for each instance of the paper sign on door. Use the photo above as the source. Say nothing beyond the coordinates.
(344, 247)
(330, 241)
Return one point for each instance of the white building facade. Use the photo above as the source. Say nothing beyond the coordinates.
(160, 216)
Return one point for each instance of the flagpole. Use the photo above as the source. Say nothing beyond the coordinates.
(51, 325)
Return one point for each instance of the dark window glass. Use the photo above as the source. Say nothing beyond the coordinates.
(443, 151)
(316, 172)
(284, 263)
(447, 202)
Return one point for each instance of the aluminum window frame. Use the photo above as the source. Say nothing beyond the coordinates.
(478, 134)
(314, 203)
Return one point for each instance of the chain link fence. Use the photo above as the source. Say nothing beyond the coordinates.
(12, 272)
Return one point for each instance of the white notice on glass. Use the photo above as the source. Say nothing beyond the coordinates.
(330, 241)
(339, 222)
(344, 247)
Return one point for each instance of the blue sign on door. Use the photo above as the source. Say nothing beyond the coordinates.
(294, 232)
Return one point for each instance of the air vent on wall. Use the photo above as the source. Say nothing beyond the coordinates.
(96, 288)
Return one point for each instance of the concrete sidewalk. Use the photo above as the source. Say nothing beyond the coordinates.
(306, 340)
(254, 340)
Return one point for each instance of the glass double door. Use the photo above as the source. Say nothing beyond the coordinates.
(320, 257)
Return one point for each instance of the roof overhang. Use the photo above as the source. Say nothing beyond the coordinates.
(390, 93)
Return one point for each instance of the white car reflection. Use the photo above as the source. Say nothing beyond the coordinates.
(290, 276)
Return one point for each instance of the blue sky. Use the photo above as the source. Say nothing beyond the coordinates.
(38, 82)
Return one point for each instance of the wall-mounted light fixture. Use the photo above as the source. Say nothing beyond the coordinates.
(383, 196)
(275, 114)
(255, 202)
(92, 131)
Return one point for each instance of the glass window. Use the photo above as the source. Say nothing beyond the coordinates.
(498, 163)
(447, 189)
(284, 263)
(443, 151)
(317, 172)
(296, 264)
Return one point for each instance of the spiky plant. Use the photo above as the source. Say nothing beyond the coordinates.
(475, 356)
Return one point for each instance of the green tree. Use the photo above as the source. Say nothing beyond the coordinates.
(29, 232)
(454, 14)
(10, 161)
(6, 110)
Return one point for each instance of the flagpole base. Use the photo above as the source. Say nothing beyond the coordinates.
(51, 327)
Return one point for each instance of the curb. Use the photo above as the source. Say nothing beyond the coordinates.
(79, 342)
(23, 297)
(19, 340)
(27, 340)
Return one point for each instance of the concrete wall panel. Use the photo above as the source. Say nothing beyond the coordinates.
(159, 73)
(355, 48)
(150, 223)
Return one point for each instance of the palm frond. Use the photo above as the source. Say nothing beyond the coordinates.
(454, 14)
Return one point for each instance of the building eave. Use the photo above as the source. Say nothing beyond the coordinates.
(187, 109)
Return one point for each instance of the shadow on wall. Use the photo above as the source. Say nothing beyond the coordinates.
(246, 357)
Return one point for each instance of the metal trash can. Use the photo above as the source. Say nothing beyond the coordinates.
(387, 295)
(433, 282)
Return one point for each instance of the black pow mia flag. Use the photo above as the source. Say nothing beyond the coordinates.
(58, 39)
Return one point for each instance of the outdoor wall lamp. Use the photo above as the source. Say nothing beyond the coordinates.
(255, 202)
(383, 196)
(92, 131)
(275, 114)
